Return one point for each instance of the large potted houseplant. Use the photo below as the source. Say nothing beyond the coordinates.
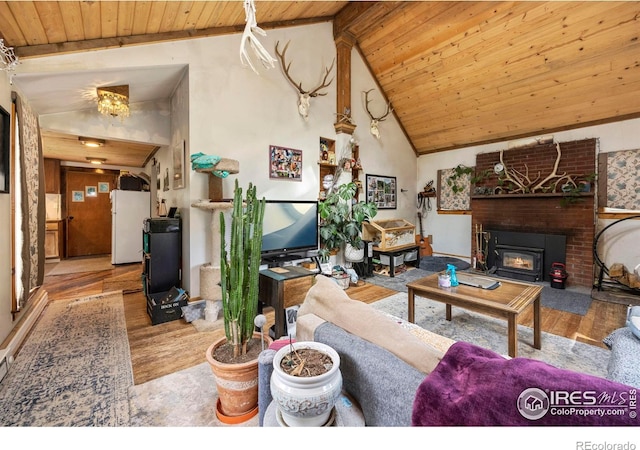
(341, 220)
(234, 357)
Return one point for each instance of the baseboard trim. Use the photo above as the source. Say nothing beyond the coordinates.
(23, 327)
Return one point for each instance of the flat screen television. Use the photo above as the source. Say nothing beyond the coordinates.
(289, 230)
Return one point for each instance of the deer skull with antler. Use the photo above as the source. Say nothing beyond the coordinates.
(375, 120)
(304, 97)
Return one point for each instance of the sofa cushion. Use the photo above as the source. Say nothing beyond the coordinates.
(328, 301)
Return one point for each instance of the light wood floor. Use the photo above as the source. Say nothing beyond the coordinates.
(162, 349)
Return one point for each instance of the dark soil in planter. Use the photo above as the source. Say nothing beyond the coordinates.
(306, 362)
(224, 353)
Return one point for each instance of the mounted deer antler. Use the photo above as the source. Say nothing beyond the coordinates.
(248, 36)
(375, 120)
(304, 97)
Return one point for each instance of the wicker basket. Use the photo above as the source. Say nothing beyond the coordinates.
(342, 280)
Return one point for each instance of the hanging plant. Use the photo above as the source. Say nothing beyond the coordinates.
(456, 180)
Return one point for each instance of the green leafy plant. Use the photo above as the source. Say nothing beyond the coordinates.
(239, 268)
(456, 179)
(341, 219)
(572, 192)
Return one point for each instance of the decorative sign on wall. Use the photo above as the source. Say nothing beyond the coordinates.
(285, 163)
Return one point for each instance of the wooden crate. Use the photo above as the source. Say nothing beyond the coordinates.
(389, 234)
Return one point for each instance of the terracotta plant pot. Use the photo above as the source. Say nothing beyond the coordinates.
(237, 384)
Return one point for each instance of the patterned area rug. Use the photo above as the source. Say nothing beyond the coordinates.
(74, 370)
(182, 399)
(491, 333)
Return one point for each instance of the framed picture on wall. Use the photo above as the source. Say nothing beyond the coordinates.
(103, 187)
(382, 191)
(77, 196)
(91, 191)
(178, 165)
(285, 163)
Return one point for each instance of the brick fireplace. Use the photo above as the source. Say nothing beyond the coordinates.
(543, 213)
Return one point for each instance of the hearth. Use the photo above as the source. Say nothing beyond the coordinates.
(522, 263)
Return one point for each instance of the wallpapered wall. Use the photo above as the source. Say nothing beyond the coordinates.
(623, 179)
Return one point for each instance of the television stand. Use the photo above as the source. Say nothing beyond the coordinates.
(281, 288)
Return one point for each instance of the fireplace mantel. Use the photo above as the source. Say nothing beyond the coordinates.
(541, 195)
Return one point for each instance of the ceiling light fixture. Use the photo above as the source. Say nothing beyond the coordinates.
(91, 142)
(114, 101)
(96, 161)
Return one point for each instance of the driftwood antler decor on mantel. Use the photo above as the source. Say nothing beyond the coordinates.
(304, 97)
(373, 126)
(513, 181)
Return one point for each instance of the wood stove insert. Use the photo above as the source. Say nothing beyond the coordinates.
(522, 263)
(525, 256)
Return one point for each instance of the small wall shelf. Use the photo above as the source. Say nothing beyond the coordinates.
(326, 161)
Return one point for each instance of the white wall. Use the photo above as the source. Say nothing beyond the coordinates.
(222, 108)
(451, 233)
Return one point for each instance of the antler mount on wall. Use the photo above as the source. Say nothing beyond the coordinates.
(304, 97)
(373, 126)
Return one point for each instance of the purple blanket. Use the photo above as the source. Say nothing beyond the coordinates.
(476, 387)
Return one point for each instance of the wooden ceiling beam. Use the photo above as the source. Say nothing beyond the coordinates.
(34, 51)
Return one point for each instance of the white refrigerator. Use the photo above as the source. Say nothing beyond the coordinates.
(129, 209)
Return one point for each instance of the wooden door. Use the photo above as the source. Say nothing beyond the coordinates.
(88, 213)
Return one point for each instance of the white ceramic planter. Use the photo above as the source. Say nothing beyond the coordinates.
(306, 401)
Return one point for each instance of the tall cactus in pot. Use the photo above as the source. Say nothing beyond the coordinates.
(239, 267)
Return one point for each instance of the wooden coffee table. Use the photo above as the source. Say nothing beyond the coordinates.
(507, 301)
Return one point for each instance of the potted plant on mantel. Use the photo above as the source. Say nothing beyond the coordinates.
(341, 219)
(234, 357)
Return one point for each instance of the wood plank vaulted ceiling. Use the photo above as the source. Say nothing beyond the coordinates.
(456, 73)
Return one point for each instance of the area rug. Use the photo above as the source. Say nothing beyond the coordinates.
(78, 265)
(440, 263)
(74, 370)
(574, 300)
(182, 399)
(491, 333)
